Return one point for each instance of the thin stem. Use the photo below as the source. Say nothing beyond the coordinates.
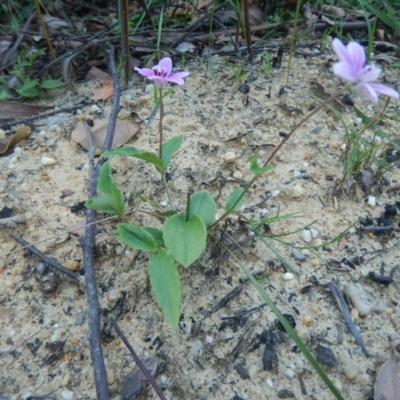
(138, 361)
(164, 181)
(297, 126)
(160, 124)
(187, 206)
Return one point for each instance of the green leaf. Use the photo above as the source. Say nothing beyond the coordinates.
(105, 204)
(28, 92)
(232, 199)
(255, 168)
(133, 152)
(186, 240)
(136, 237)
(111, 200)
(52, 84)
(157, 235)
(169, 148)
(28, 84)
(202, 204)
(166, 285)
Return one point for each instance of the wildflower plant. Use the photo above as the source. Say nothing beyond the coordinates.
(183, 236)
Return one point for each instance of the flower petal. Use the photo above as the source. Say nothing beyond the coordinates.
(145, 71)
(159, 81)
(166, 63)
(386, 90)
(177, 78)
(369, 73)
(341, 51)
(368, 91)
(357, 55)
(345, 71)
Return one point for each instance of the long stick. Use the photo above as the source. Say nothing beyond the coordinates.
(88, 243)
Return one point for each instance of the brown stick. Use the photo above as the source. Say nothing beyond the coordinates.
(88, 244)
(138, 361)
(47, 260)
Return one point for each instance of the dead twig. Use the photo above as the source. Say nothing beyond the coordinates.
(88, 243)
(53, 263)
(145, 371)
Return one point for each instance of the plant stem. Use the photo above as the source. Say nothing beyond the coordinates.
(164, 181)
(160, 140)
(160, 124)
(294, 129)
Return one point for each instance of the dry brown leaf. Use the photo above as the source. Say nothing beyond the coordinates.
(103, 92)
(12, 110)
(387, 386)
(96, 73)
(124, 131)
(21, 134)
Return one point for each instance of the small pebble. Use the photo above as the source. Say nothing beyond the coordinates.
(360, 298)
(209, 339)
(315, 262)
(66, 379)
(254, 369)
(163, 203)
(354, 314)
(288, 276)
(296, 173)
(297, 191)
(358, 121)
(307, 320)
(372, 201)
(110, 376)
(229, 157)
(238, 175)
(350, 368)
(67, 395)
(306, 235)
(73, 265)
(269, 383)
(48, 160)
(298, 255)
(94, 108)
(314, 233)
(290, 373)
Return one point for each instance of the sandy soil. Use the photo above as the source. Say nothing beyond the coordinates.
(200, 360)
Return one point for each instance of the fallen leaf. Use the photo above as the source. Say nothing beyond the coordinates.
(21, 134)
(103, 92)
(12, 110)
(387, 386)
(96, 73)
(124, 131)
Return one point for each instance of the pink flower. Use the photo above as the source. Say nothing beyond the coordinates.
(352, 68)
(161, 73)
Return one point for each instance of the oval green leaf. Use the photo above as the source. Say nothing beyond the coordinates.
(233, 198)
(169, 148)
(166, 285)
(186, 240)
(136, 237)
(203, 204)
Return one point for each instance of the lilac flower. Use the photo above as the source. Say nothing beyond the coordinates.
(352, 68)
(161, 73)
